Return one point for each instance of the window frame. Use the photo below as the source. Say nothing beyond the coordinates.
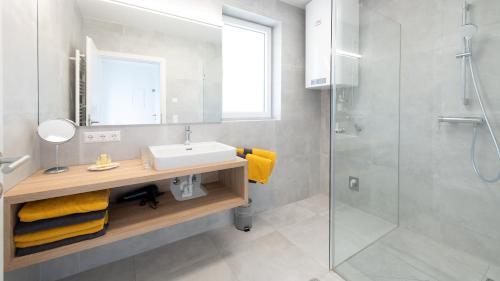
(268, 83)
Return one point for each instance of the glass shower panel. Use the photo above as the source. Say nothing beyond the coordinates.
(365, 127)
(447, 217)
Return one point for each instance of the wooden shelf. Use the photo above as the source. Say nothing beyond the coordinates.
(129, 219)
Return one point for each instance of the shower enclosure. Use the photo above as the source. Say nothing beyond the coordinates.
(414, 156)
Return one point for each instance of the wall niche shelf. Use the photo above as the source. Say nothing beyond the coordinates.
(226, 183)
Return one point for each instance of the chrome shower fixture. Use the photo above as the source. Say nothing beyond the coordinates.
(467, 31)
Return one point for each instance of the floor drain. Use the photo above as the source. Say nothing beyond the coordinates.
(489, 279)
(316, 279)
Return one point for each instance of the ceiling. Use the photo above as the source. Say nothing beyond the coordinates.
(297, 3)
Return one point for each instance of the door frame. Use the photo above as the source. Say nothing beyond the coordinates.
(150, 59)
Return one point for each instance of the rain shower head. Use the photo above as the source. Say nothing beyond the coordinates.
(467, 31)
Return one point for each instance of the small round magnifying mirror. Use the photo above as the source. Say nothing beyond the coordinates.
(57, 131)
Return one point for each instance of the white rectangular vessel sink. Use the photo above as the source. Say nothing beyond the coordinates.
(181, 155)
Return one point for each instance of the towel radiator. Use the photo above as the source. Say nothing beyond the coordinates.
(80, 89)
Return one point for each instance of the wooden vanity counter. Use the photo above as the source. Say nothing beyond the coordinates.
(227, 191)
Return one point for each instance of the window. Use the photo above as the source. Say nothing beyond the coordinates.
(246, 55)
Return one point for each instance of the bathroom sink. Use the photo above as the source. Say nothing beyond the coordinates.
(181, 155)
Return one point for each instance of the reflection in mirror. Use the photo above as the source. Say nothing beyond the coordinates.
(128, 65)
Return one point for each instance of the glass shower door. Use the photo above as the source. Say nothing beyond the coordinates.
(364, 129)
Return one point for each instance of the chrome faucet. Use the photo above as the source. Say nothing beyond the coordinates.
(187, 132)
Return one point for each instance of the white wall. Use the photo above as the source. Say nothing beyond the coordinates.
(20, 104)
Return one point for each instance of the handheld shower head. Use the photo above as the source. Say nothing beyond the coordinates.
(467, 31)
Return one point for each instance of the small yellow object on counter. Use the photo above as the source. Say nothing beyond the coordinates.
(103, 163)
(103, 160)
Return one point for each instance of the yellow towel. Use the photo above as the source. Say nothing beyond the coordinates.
(63, 206)
(271, 155)
(259, 168)
(60, 235)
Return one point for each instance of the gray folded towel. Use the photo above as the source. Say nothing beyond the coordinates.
(64, 242)
(29, 227)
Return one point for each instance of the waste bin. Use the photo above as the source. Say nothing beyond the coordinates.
(243, 217)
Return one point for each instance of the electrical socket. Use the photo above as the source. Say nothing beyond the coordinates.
(104, 136)
(114, 136)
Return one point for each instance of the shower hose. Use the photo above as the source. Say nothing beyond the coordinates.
(476, 131)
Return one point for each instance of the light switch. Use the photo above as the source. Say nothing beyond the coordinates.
(104, 136)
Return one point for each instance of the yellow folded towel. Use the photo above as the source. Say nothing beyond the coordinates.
(63, 206)
(259, 168)
(260, 163)
(271, 155)
(56, 234)
(58, 238)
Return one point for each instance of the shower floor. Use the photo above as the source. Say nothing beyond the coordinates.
(356, 230)
(306, 224)
(404, 255)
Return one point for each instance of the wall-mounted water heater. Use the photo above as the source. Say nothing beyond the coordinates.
(319, 31)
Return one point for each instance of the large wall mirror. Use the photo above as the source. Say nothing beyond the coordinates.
(105, 62)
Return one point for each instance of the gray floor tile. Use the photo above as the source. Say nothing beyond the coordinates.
(404, 255)
(271, 257)
(163, 261)
(285, 215)
(378, 264)
(355, 230)
(208, 269)
(229, 236)
(122, 270)
(311, 236)
(318, 204)
(434, 258)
